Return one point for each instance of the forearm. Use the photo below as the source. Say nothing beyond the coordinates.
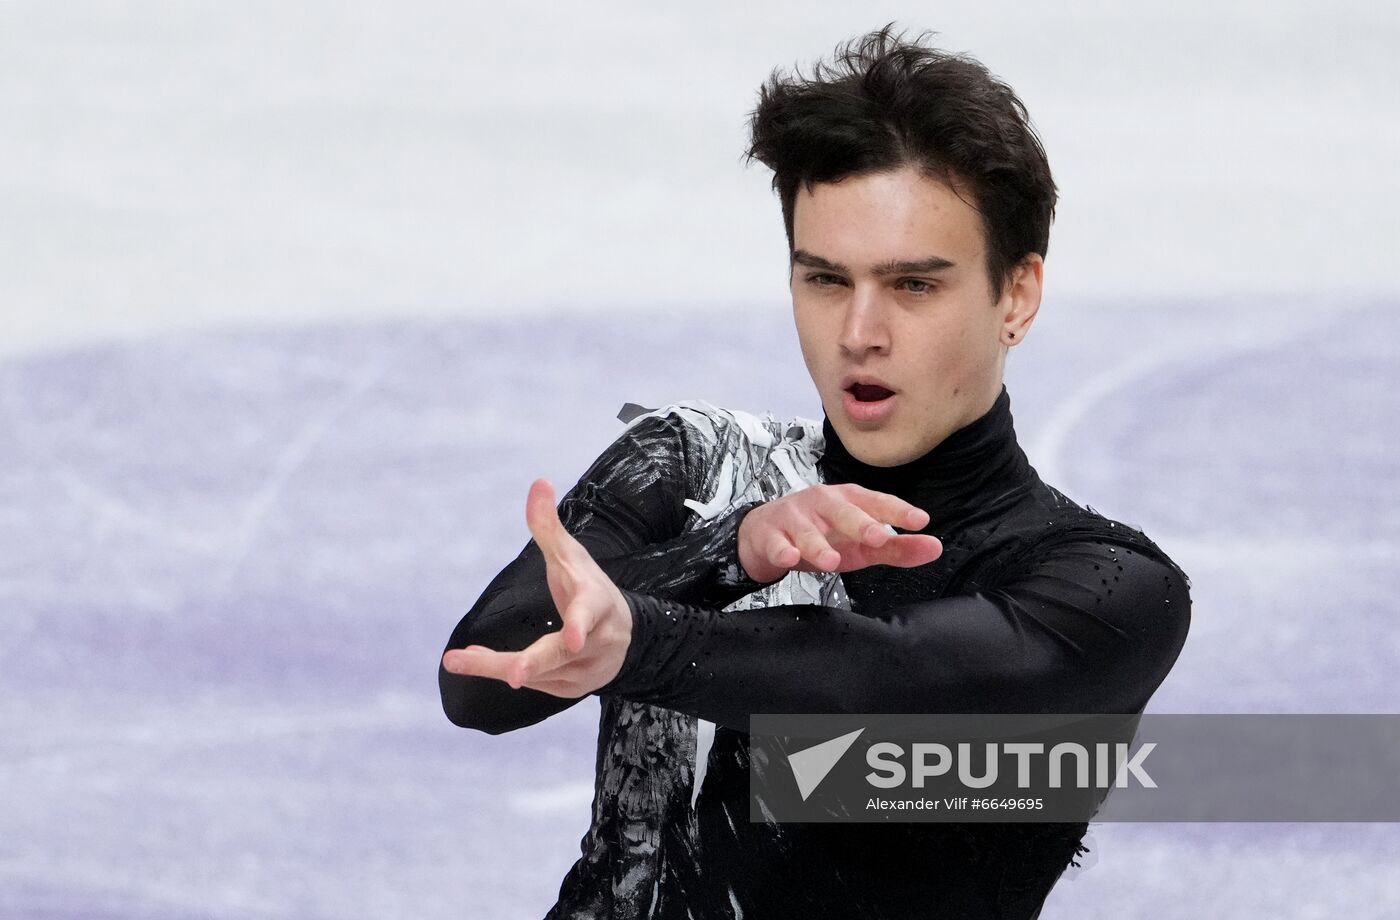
(793, 658)
(994, 652)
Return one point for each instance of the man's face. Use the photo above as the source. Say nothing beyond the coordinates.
(895, 313)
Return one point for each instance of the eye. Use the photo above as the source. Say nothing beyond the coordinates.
(918, 286)
(825, 280)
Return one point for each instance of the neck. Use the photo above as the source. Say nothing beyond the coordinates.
(967, 472)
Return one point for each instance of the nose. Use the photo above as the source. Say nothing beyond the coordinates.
(865, 326)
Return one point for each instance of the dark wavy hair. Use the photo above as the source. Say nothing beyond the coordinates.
(884, 102)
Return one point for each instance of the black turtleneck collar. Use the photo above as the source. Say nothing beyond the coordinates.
(970, 468)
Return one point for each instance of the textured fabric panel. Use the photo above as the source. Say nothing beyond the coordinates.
(651, 760)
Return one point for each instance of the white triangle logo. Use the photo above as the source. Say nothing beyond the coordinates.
(810, 766)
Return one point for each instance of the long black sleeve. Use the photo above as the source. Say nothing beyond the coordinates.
(1083, 627)
(628, 511)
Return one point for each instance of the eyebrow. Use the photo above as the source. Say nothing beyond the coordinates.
(931, 264)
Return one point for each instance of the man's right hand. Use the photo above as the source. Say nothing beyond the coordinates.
(832, 528)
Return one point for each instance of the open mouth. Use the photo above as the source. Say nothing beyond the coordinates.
(869, 392)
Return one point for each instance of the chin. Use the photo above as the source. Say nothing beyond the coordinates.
(889, 459)
(871, 451)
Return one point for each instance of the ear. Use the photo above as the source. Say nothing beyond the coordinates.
(1020, 299)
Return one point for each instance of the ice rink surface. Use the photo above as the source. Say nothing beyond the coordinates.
(233, 560)
(299, 301)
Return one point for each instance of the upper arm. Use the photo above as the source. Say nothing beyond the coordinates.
(634, 494)
(1088, 626)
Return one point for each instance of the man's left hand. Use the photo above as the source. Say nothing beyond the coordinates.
(589, 649)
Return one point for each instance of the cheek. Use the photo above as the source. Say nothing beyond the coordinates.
(813, 329)
(809, 341)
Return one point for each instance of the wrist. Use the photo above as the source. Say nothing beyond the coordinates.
(637, 630)
(750, 558)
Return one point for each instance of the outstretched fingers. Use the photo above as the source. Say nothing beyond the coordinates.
(866, 518)
(909, 550)
(854, 523)
(478, 661)
(886, 508)
(816, 549)
(538, 661)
